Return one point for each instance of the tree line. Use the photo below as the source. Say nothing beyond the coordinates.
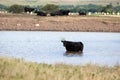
(49, 8)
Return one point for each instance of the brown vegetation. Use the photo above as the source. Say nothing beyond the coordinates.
(59, 23)
(17, 69)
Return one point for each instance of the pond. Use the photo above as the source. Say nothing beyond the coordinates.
(46, 47)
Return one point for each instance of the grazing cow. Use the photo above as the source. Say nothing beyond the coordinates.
(64, 12)
(60, 13)
(73, 46)
(82, 13)
(53, 14)
(41, 13)
(28, 9)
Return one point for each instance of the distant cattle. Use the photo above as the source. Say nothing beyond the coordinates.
(73, 46)
(82, 13)
(60, 13)
(41, 13)
(28, 9)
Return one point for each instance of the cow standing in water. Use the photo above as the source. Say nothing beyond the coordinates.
(73, 46)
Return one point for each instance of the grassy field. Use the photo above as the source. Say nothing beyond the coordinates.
(18, 69)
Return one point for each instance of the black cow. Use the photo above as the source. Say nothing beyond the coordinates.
(41, 13)
(73, 46)
(53, 14)
(60, 13)
(28, 9)
(64, 12)
(82, 13)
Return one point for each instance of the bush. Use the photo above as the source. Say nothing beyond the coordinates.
(16, 8)
(108, 8)
(117, 9)
(3, 7)
(50, 8)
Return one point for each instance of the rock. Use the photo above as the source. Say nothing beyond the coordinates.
(37, 25)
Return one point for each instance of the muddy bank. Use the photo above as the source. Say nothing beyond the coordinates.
(64, 23)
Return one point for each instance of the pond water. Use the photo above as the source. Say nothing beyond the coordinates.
(46, 47)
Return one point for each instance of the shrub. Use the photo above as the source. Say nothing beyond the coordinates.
(16, 8)
(108, 8)
(50, 8)
(3, 7)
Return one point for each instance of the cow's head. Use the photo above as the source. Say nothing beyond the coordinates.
(64, 42)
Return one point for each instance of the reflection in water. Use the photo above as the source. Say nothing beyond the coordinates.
(70, 54)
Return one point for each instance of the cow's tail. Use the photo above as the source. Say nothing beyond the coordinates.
(82, 46)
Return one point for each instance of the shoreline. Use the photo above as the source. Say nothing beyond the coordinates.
(54, 31)
(24, 22)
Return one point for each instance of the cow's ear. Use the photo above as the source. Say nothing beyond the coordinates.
(63, 39)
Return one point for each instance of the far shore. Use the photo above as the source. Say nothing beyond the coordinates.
(23, 22)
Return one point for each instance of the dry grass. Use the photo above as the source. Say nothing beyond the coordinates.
(18, 69)
(60, 23)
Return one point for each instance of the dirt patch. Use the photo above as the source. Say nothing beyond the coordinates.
(59, 23)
